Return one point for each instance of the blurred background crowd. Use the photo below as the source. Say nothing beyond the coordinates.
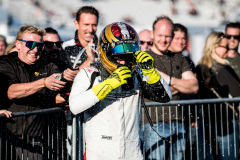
(199, 16)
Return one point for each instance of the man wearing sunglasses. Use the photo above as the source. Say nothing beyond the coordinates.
(54, 53)
(31, 86)
(233, 36)
(145, 39)
(52, 44)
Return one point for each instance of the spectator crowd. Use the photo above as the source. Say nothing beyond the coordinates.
(41, 71)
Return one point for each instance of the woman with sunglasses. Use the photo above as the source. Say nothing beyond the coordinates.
(217, 79)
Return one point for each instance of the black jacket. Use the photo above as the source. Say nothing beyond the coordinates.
(73, 47)
(225, 82)
(15, 71)
(61, 61)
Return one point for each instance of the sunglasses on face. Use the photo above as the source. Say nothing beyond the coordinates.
(32, 44)
(235, 37)
(51, 44)
(150, 43)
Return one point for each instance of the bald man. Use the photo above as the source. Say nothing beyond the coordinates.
(145, 39)
(175, 70)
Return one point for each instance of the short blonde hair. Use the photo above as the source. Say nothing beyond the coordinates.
(29, 29)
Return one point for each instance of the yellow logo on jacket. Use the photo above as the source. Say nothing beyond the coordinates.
(36, 73)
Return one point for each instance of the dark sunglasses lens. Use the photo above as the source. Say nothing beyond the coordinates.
(59, 44)
(235, 37)
(150, 43)
(49, 44)
(30, 44)
(39, 46)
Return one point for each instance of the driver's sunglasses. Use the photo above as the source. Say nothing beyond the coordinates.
(32, 44)
(126, 57)
(51, 44)
(150, 43)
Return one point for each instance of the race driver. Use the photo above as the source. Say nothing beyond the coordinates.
(109, 95)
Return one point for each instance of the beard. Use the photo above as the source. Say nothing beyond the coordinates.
(53, 55)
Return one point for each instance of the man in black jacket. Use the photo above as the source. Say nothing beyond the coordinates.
(31, 85)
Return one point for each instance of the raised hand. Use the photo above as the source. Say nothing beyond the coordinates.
(116, 79)
(145, 62)
(52, 83)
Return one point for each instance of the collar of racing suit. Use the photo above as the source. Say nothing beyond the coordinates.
(103, 72)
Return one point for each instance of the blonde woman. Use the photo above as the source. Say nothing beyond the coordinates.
(216, 77)
(11, 48)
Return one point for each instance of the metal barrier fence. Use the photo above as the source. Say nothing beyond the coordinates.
(206, 141)
(216, 135)
(46, 136)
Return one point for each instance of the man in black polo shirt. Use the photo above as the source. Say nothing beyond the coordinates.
(32, 85)
(176, 72)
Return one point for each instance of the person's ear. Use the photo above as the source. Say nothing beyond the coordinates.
(18, 44)
(76, 24)
(152, 34)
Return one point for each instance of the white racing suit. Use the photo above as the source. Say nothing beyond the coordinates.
(112, 125)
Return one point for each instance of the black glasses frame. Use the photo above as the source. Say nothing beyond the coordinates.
(150, 43)
(235, 37)
(32, 44)
(51, 44)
